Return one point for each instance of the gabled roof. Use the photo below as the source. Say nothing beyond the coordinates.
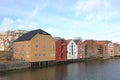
(68, 41)
(102, 42)
(107, 41)
(57, 38)
(76, 41)
(61, 40)
(30, 35)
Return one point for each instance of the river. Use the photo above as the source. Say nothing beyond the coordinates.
(94, 70)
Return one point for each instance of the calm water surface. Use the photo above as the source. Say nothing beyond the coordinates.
(97, 70)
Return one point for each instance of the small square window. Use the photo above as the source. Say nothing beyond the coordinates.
(43, 54)
(36, 46)
(52, 46)
(28, 45)
(37, 41)
(35, 55)
(44, 46)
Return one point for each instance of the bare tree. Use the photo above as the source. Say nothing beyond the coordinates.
(7, 42)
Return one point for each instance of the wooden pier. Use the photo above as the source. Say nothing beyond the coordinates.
(42, 64)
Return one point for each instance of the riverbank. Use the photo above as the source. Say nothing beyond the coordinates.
(13, 65)
(22, 65)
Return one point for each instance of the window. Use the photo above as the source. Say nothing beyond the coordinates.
(36, 41)
(44, 50)
(62, 47)
(44, 54)
(28, 45)
(22, 45)
(52, 46)
(22, 52)
(39, 54)
(36, 45)
(35, 55)
(52, 54)
(44, 46)
(18, 50)
(61, 54)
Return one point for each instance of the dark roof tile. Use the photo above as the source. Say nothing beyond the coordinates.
(76, 41)
(30, 35)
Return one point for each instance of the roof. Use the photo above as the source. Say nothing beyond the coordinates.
(76, 41)
(101, 42)
(68, 41)
(61, 40)
(57, 38)
(90, 40)
(30, 35)
(107, 41)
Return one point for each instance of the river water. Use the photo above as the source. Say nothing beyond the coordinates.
(94, 70)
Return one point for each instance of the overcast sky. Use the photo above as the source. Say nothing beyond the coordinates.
(89, 19)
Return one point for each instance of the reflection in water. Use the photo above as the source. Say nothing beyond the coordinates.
(97, 70)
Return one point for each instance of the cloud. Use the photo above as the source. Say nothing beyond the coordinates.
(28, 21)
(22, 9)
(94, 11)
(6, 24)
(67, 34)
(54, 31)
(10, 24)
(97, 19)
(74, 34)
(101, 17)
(83, 6)
(111, 33)
(35, 12)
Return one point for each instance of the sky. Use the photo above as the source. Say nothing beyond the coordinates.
(88, 19)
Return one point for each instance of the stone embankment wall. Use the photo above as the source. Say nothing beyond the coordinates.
(13, 65)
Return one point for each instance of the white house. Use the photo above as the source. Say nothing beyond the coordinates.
(72, 49)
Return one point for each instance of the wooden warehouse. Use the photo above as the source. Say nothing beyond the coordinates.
(61, 50)
(35, 47)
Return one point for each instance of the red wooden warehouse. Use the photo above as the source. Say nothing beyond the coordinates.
(81, 49)
(90, 48)
(103, 48)
(61, 50)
